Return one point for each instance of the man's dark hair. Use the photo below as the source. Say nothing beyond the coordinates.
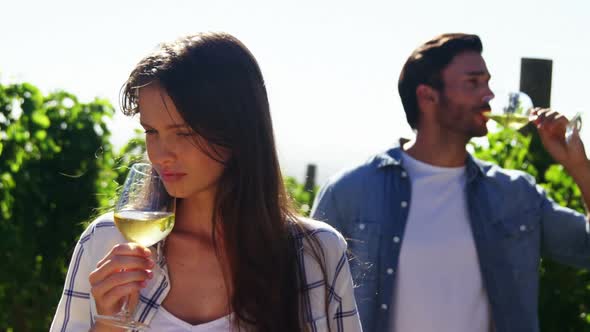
(425, 65)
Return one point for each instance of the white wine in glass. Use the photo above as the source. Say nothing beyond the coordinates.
(512, 121)
(511, 111)
(144, 214)
(144, 227)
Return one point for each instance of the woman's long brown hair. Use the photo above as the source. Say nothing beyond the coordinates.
(218, 88)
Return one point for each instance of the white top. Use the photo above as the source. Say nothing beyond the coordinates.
(165, 321)
(439, 285)
(77, 307)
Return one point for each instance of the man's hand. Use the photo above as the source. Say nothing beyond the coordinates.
(551, 126)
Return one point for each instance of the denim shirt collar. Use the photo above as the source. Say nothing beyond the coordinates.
(393, 157)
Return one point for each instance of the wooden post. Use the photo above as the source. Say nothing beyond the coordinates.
(535, 80)
(310, 178)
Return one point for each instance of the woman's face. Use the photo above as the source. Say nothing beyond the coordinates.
(172, 147)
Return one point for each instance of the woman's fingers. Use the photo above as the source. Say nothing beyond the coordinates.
(109, 302)
(117, 285)
(126, 249)
(116, 264)
(122, 272)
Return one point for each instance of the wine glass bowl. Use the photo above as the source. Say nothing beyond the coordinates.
(511, 110)
(144, 227)
(145, 211)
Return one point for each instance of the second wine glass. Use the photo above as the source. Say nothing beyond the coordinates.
(513, 110)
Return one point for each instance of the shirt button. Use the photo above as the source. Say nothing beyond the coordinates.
(384, 306)
(404, 204)
(522, 228)
(361, 226)
(396, 239)
(390, 271)
(404, 174)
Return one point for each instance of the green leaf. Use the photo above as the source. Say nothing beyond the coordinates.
(7, 180)
(41, 119)
(40, 134)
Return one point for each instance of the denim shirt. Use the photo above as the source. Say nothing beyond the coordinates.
(513, 223)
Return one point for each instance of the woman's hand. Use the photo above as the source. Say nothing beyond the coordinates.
(123, 271)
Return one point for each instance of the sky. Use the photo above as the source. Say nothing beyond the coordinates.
(330, 67)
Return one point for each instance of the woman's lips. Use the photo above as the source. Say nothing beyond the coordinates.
(171, 176)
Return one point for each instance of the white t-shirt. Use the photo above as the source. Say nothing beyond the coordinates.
(165, 321)
(439, 285)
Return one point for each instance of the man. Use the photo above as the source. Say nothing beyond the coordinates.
(443, 241)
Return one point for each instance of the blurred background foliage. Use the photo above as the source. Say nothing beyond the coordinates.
(58, 170)
(56, 166)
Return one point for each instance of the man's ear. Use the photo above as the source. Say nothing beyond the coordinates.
(426, 95)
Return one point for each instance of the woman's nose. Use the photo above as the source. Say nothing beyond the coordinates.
(160, 152)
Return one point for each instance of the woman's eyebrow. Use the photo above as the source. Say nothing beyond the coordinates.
(177, 125)
(172, 126)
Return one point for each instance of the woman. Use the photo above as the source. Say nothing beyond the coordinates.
(238, 257)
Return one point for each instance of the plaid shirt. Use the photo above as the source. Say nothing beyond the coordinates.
(77, 307)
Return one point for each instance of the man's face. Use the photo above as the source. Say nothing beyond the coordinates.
(465, 96)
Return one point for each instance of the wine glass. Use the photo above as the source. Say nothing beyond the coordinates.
(144, 214)
(513, 111)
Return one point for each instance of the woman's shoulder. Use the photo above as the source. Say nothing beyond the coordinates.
(331, 239)
(102, 232)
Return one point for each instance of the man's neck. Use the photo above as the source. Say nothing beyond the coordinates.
(437, 151)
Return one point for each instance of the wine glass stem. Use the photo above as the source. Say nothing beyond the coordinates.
(125, 308)
(159, 251)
